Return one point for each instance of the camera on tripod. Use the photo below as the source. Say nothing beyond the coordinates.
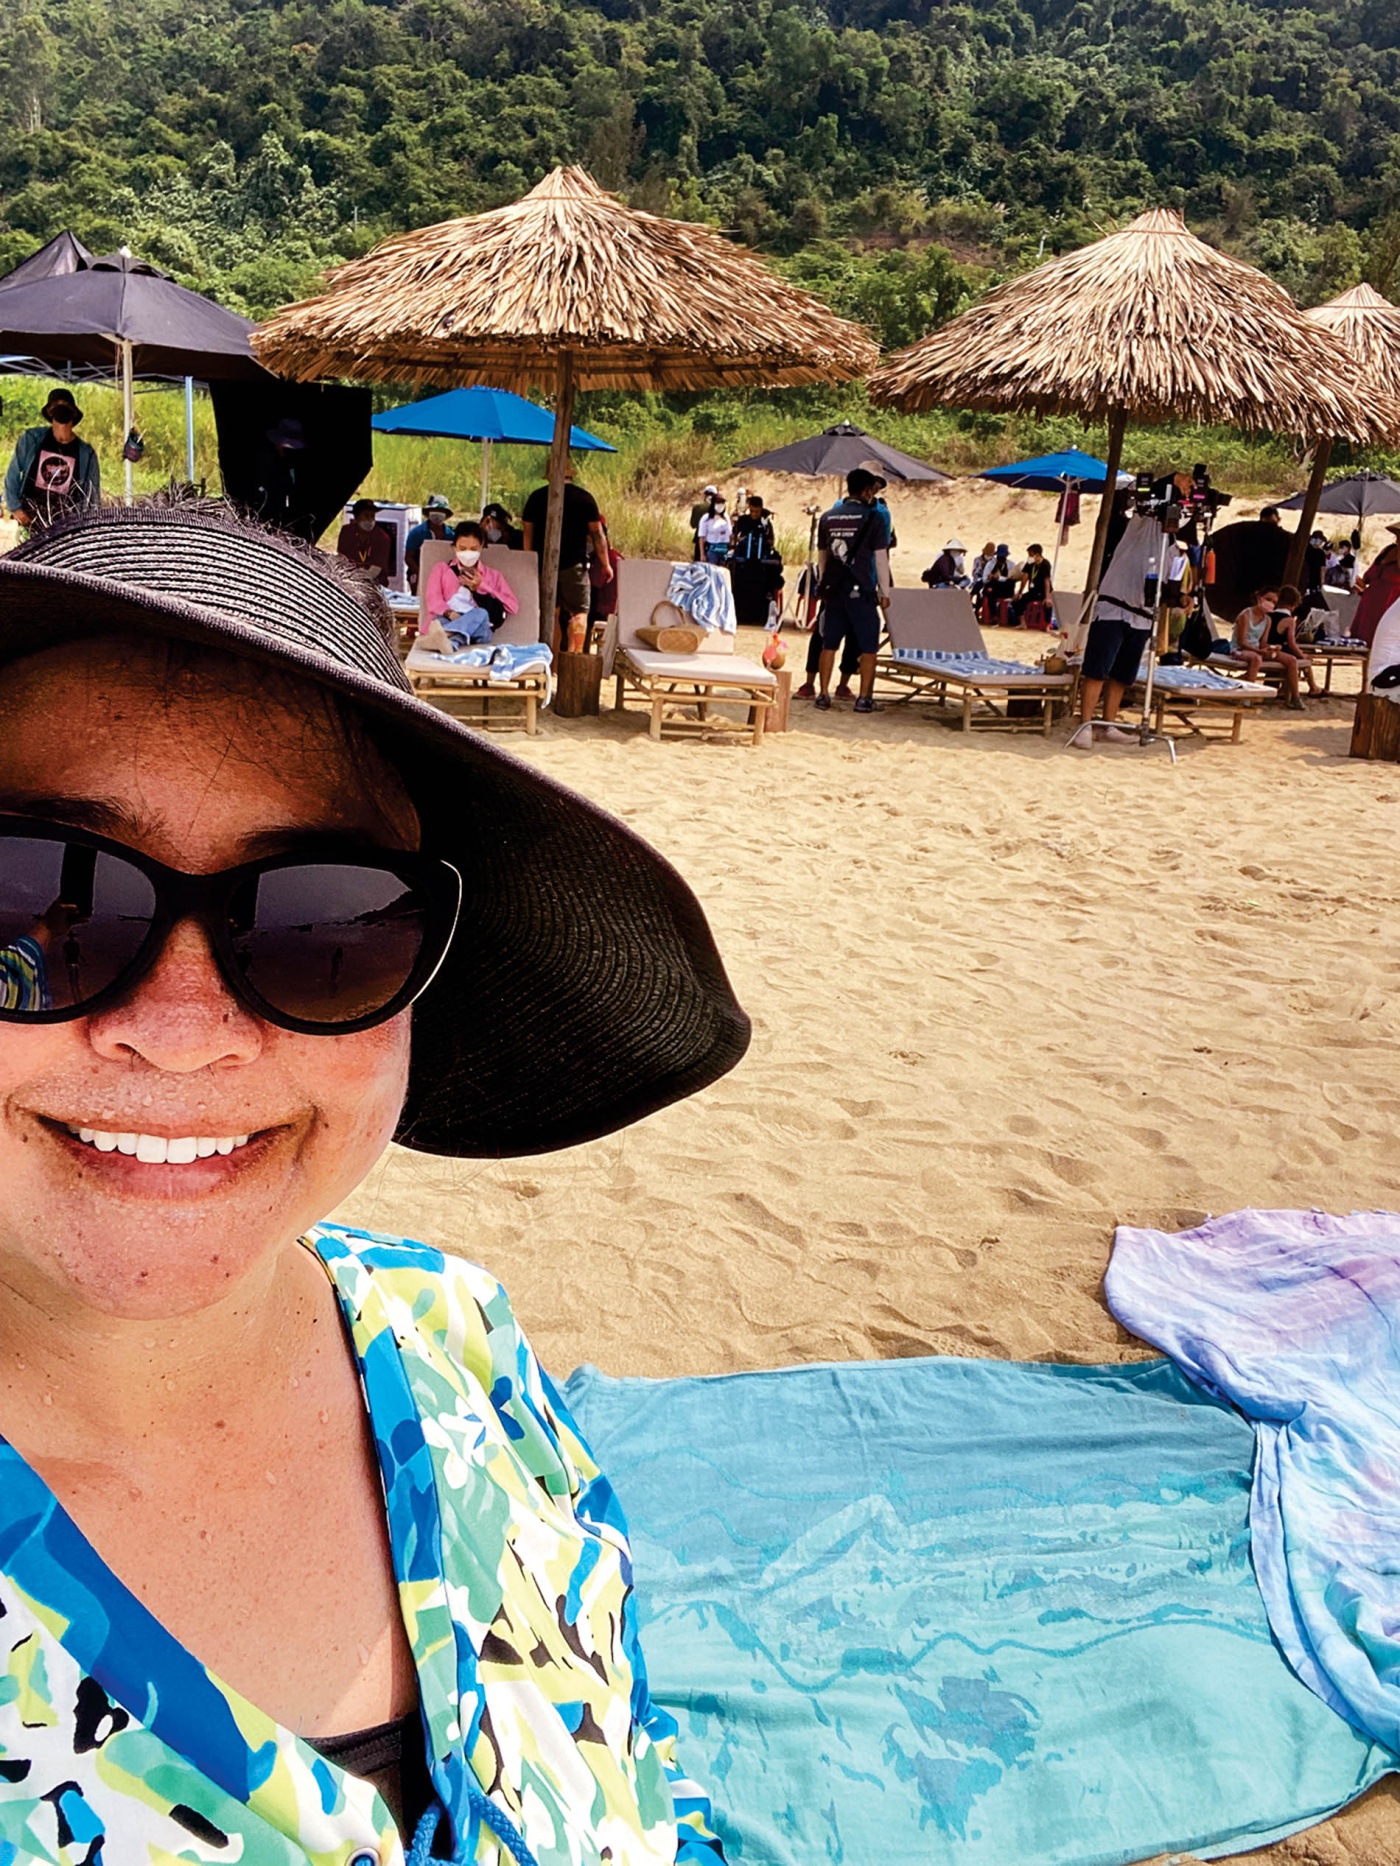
(1177, 501)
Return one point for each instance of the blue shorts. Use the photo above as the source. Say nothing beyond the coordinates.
(854, 618)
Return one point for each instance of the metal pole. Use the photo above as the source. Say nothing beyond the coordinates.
(1293, 569)
(1065, 485)
(189, 429)
(128, 410)
(554, 519)
(1117, 425)
(485, 473)
(1153, 641)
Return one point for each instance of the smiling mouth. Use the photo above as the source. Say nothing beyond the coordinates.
(158, 1149)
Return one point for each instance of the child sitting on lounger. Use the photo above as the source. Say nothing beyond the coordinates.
(468, 598)
(1251, 626)
(1283, 644)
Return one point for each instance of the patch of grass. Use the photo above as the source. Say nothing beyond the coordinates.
(669, 446)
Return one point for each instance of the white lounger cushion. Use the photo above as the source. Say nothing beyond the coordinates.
(730, 671)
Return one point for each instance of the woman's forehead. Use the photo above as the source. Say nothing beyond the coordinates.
(192, 742)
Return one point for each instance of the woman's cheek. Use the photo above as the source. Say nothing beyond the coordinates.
(359, 1083)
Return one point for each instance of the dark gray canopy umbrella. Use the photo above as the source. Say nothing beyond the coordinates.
(86, 311)
(67, 309)
(832, 453)
(1359, 495)
(64, 253)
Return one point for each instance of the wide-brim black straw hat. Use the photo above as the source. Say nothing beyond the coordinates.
(583, 989)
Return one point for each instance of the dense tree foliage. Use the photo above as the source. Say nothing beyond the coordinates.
(893, 153)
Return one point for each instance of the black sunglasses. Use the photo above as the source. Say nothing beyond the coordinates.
(323, 942)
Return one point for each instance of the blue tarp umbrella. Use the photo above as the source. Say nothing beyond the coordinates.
(1053, 472)
(1057, 473)
(485, 415)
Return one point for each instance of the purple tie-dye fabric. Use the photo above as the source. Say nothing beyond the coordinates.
(1294, 1317)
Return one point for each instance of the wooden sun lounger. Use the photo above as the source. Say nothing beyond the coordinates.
(1198, 709)
(681, 690)
(942, 622)
(520, 698)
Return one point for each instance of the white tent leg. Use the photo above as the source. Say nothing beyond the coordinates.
(189, 429)
(128, 411)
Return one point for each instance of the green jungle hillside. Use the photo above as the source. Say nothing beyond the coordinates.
(896, 155)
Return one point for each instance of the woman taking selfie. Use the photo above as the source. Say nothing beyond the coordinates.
(301, 1559)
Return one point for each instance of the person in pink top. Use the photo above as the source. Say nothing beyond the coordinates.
(467, 597)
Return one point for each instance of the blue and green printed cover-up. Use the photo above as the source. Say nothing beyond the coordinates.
(117, 1747)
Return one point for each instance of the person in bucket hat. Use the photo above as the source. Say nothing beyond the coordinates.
(301, 1556)
(51, 471)
(431, 528)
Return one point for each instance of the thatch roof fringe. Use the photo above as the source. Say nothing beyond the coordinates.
(1369, 326)
(1150, 320)
(641, 302)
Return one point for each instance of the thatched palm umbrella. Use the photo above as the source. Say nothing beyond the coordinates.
(566, 289)
(1148, 324)
(1369, 326)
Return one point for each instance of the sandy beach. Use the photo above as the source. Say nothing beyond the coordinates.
(1004, 997)
(979, 512)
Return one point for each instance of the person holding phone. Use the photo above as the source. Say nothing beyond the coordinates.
(466, 597)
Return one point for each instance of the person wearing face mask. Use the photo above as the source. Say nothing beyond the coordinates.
(467, 598)
(714, 532)
(497, 527)
(946, 570)
(363, 543)
(433, 529)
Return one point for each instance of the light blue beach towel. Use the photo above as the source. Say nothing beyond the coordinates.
(1294, 1317)
(964, 1613)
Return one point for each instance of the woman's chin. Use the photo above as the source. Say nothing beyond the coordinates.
(167, 1273)
(140, 1238)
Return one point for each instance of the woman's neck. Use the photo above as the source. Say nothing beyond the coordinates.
(72, 1377)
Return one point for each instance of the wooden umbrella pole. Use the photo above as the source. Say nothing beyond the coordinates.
(554, 520)
(1117, 427)
(1293, 569)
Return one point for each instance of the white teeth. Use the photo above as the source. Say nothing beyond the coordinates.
(155, 1149)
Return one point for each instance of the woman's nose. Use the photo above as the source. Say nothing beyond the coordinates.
(181, 1016)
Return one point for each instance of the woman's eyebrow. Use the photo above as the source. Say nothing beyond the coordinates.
(109, 818)
(286, 839)
(102, 818)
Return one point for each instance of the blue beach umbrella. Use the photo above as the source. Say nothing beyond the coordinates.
(1056, 473)
(1053, 472)
(485, 415)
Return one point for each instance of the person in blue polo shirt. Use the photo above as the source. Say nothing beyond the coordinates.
(853, 558)
(433, 528)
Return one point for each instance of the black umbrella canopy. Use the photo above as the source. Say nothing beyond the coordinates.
(77, 313)
(64, 253)
(832, 453)
(1360, 495)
